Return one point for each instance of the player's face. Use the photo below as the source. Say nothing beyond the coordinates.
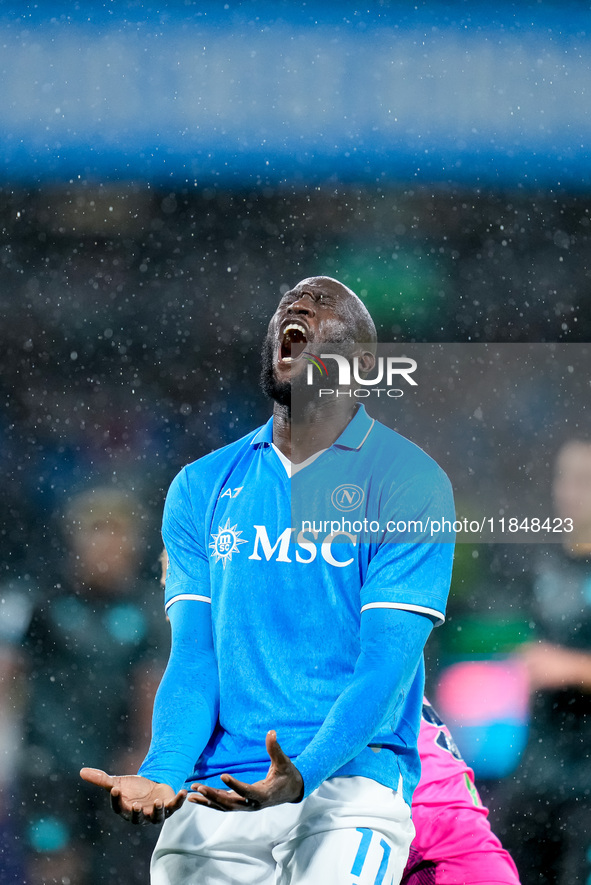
(572, 484)
(105, 555)
(316, 312)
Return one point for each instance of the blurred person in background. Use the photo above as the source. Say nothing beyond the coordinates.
(15, 613)
(96, 646)
(546, 810)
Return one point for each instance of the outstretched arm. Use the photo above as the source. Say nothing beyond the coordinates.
(185, 713)
(392, 642)
(552, 666)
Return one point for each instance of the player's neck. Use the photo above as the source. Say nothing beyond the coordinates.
(315, 430)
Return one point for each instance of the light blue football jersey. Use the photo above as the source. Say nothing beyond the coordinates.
(288, 566)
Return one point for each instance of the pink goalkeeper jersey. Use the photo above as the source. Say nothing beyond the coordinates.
(454, 844)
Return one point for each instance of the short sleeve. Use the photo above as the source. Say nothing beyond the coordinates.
(187, 576)
(411, 568)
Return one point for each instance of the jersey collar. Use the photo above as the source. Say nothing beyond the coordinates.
(356, 431)
(352, 437)
(264, 437)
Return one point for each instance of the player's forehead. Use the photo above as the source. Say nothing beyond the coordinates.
(324, 286)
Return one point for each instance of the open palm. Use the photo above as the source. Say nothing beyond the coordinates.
(137, 798)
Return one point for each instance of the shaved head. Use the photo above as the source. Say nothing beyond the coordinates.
(353, 311)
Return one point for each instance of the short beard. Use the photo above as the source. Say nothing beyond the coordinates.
(280, 391)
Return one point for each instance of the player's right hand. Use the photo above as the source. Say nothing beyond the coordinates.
(135, 798)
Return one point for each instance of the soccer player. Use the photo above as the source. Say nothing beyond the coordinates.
(454, 844)
(545, 808)
(313, 635)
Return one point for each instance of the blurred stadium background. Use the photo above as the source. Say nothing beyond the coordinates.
(165, 170)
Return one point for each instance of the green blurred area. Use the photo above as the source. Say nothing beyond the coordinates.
(401, 288)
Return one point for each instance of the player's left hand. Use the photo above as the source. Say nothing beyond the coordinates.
(283, 783)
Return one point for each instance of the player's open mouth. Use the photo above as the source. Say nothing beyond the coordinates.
(293, 342)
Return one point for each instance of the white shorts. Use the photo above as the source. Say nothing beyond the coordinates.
(350, 831)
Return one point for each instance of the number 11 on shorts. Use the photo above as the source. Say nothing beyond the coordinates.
(361, 856)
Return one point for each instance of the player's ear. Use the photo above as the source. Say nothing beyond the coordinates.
(366, 360)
